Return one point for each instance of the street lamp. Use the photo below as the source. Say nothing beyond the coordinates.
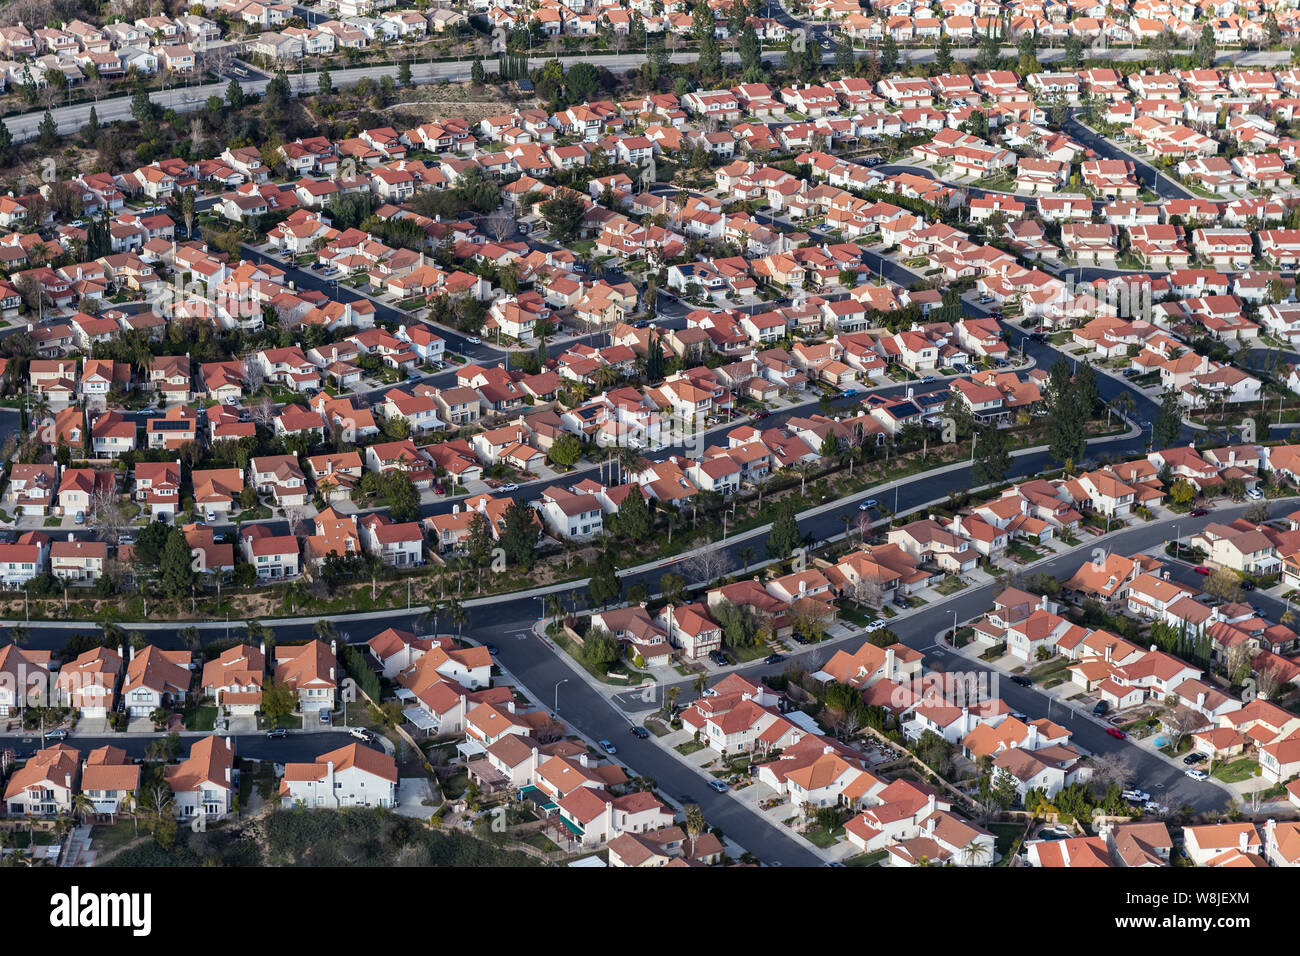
(557, 693)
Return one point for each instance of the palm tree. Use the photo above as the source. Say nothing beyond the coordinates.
(695, 824)
(746, 555)
(974, 853)
(804, 468)
(324, 630)
(127, 804)
(83, 806)
(630, 461)
(701, 681)
(18, 634)
(459, 616)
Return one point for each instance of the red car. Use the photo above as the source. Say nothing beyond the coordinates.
(1197, 512)
(1202, 569)
(1116, 733)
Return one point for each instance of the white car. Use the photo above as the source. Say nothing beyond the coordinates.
(876, 625)
(509, 488)
(474, 340)
(1255, 493)
(362, 734)
(1197, 774)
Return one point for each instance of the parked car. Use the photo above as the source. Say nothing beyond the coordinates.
(1197, 774)
(56, 735)
(474, 340)
(640, 733)
(608, 747)
(1022, 680)
(1116, 733)
(1255, 493)
(718, 786)
(80, 517)
(877, 624)
(325, 717)
(509, 488)
(362, 734)
(277, 733)
(762, 413)
(1198, 512)
(1202, 569)
(1138, 796)
(1248, 585)
(1101, 708)
(848, 392)
(773, 659)
(718, 658)
(1192, 759)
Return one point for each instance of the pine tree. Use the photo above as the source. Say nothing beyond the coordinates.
(234, 95)
(325, 83)
(888, 55)
(784, 536)
(992, 457)
(476, 72)
(404, 73)
(943, 54)
(48, 131)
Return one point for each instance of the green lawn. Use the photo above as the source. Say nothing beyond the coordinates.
(1236, 770)
(951, 585)
(690, 747)
(823, 838)
(201, 718)
(1049, 669)
(867, 859)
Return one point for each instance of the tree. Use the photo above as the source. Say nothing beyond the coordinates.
(582, 82)
(402, 496)
(943, 54)
(566, 450)
(519, 534)
(784, 537)
(1168, 424)
(751, 61)
(633, 520)
(235, 95)
(992, 457)
(564, 214)
(176, 566)
(7, 140)
(278, 700)
(844, 55)
(600, 648)
(1224, 585)
(325, 82)
(404, 73)
(604, 587)
(1205, 50)
(672, 587)
(1074, 51)
(888, 54)
(48, 132)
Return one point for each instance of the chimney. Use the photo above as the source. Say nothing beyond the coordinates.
(1153, 647)
(929, 804)
(132, 654)
(889, 663)
(1033, 737)
(262, 648)
(334, 647)
(1243, 841)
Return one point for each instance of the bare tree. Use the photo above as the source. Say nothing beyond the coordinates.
(107, 515)
(264, 411)
(707, 564)
(868, 592)
(1180, 722)
(254, 375)
(297, 522)
(500, 224)
(1267, 680)
(1224, 585)
(1112, 768)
